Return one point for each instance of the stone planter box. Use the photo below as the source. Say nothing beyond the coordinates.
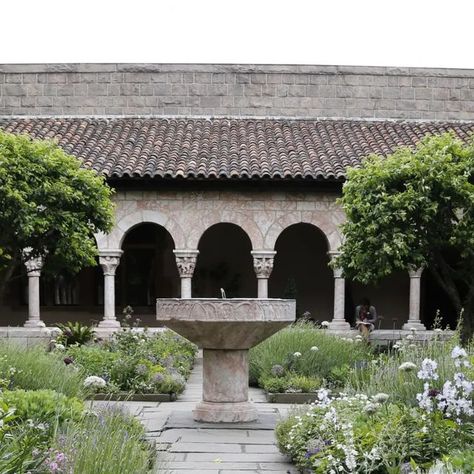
(291, 398)
(135, 397)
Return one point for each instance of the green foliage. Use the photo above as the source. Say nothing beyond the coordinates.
(75, 333)
(110, 442)
(35, 369)
(138, 362)
(50, 204)
(23, 450)
(411, 209)
(384, 440)
(42, 405)
(322, 355)
(384, 375)
(290, 383)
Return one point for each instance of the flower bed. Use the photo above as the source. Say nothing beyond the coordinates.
(302, 358)
(46, 428)
(411, 412)
(134, 363)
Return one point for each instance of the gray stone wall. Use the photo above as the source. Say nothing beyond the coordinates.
(236, 90)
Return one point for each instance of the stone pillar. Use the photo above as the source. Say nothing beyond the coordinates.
(415, 296)
(225, 388)
(338, 321)
(109, 260)
(186, 263)
(263, 266)
(33, 268)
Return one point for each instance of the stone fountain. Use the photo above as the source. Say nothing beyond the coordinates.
(225, 329)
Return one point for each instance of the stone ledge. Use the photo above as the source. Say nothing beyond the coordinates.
(234, 68)
(134, 397)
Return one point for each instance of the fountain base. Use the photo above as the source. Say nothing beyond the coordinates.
(221, 412)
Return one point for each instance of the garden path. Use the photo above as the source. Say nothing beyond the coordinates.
(184, 446)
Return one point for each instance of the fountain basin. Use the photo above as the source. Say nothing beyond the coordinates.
(226, 329)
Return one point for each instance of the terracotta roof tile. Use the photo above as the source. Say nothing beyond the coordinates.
(226, 148)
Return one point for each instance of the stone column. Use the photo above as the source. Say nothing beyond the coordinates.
(263, 266)
(338, 321)
(415, 296)
(186, 263)
(109, 260)
(33, 268)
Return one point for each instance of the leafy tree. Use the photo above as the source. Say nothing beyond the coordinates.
(48, 204)
(414, 208)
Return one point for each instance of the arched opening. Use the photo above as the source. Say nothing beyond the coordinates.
(390, 297)
(224, 261)
(147, 269)
(301, 271)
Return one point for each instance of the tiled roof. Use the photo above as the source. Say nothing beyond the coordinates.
(222, 148)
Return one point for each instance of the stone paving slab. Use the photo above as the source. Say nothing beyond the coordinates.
(184, 419)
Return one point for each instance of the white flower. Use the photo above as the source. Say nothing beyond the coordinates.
(380, 397)
(371, 407)
(55, 332)
(325, 324)
(358, 337)
(410, 337)
(314, 349)
(297, 354)
(407, 367)
(428, 370)
(94, 381)
(458, 352)
(59, 347)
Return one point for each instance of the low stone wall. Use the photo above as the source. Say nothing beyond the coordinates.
(28, 337)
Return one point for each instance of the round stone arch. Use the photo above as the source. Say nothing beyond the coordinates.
(327, 228)
(115, 238)
(240, 220)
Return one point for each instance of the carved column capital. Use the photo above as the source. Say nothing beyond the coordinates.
(186, 262)
(263, 262)
(337, 271)
(109, 261)
(416, 273)
(33, 265)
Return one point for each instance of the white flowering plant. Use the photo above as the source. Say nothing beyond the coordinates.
(414, 428)
(361, 434)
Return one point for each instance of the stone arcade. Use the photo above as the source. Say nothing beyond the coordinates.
(226, 176)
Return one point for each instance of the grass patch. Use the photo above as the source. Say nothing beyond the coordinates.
(305, 350)
(34, 369)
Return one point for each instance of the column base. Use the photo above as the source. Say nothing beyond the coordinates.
(339, 324)
(109, 324)
(225, 412)
(34, 324)
(417, 325)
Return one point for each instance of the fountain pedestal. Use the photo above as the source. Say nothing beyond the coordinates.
(225, 329)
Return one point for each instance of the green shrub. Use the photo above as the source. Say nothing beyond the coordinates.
(111, 442)
(306, 350)
(93, 360)
(43, 405)
(138, 362)
(34, 369)
(290, 383)
(74, 333)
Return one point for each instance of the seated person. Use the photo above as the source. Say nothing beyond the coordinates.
(365, 316)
